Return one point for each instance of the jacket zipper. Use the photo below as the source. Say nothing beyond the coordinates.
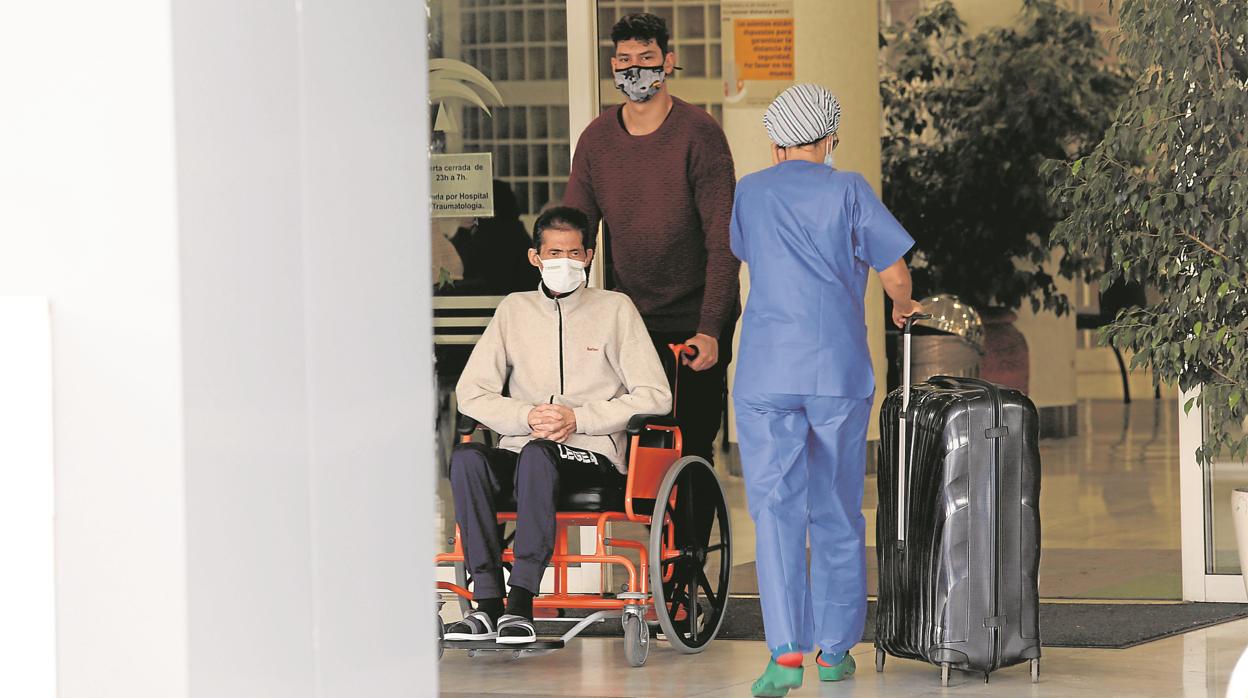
(559, 310)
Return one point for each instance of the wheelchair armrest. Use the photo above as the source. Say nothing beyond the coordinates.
(466, 425)
(639, 422)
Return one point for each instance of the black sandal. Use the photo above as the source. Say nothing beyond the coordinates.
(476, 626)
(516, 630)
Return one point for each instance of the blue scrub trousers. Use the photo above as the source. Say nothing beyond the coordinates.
(804, 459)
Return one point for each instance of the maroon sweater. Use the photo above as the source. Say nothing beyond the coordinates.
(666, 198)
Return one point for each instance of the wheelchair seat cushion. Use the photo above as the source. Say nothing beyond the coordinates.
(601, 497)
(583, 486)
(588, 497)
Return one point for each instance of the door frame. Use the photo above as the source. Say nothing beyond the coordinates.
(1195, 517)
(583, 103)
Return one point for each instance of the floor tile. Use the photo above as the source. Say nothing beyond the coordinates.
(1196, 664)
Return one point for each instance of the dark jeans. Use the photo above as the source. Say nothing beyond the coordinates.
(484, 479)
(700, 397)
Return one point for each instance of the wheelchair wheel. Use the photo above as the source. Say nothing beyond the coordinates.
(636, 640)
(690, 586)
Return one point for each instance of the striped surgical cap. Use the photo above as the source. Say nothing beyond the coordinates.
(802, 114)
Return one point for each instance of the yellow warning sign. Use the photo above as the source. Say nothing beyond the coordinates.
(764, 48)
(758, 50)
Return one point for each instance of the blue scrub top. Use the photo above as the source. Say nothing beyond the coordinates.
(808, 234)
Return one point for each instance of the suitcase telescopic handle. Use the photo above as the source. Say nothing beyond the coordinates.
(903, 462)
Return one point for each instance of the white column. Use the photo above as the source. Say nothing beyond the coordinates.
(88, 219)
(226, 204)
(246, 408)
(838, 50)
(1192, 501)
(583, 106)
(301, 141)
(368, 311)
(28, 585)
(1052, 350)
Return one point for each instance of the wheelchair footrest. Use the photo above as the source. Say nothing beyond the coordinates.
(491, 646)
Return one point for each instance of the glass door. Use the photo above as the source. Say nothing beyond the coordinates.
(1211, 568)
(512, 85)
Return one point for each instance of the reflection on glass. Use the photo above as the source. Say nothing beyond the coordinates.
(1221, 478)
(521, 46)
(494, 251)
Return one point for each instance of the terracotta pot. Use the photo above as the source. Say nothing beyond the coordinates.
(941, 355)
(1006, 358)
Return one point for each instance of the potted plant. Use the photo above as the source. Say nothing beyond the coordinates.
(1163, 198)
(969, 120)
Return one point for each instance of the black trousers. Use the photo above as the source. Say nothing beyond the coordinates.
(486, 480)
(700, 397)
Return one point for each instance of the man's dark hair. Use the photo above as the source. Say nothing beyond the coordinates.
(643, 27)
(563, 218)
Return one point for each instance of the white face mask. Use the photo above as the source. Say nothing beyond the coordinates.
(827, 159)
(563, 275)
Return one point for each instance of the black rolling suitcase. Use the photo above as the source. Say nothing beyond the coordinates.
(958, 526)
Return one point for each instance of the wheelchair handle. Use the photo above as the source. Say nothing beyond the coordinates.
(465, 425)
(679, 350)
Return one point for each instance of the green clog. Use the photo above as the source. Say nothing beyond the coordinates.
(777, 680)
(836, 672)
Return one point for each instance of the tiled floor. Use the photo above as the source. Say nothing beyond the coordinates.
(1110, 513)
(1196, 664)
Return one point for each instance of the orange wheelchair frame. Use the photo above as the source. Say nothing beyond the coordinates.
(687, 605)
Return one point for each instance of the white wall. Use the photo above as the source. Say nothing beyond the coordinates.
(840, 50)
(240, 304)
(87, 218)
(27, 496)
(249, 542)
(369, 329)
(1052, 350)
(301, 139)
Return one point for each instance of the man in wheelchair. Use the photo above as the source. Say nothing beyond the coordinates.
(557, 374)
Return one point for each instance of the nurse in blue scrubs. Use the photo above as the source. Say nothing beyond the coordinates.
(809, 234)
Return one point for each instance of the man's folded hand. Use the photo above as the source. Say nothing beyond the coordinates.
(553, 422)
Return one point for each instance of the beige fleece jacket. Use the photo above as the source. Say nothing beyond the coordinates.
(588, 351)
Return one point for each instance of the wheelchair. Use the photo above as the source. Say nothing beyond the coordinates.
(679, 586)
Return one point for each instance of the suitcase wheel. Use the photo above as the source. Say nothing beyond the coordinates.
(944, 675)
(879, 660)
(1035, 671)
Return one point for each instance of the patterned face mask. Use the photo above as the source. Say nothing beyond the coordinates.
(640, 83)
